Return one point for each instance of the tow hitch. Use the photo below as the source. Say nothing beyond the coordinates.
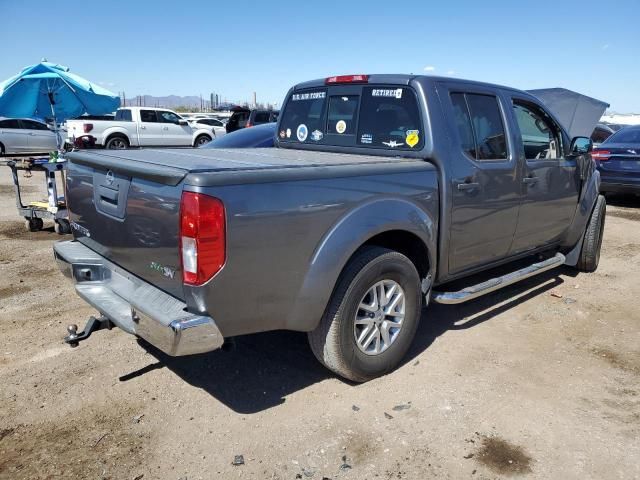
(93, 325)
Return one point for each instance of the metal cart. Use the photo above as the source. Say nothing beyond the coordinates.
(55, 207)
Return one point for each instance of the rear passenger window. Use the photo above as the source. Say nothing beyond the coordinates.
(482, 114)
(148, 116)
(123, 116)
(463, 122)
(343, 114)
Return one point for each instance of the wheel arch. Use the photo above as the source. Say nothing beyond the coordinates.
(397, 224)
(111, 135)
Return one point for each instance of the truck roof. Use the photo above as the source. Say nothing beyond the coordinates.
(405, 79)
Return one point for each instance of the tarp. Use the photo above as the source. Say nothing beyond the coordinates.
(31, 93)
(577, 113)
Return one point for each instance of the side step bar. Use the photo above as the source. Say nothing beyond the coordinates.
(475, 291)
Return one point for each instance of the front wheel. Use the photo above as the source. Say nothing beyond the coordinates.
(592, 243)
(372, 316)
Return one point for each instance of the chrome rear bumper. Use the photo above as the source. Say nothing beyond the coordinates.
(134, 305)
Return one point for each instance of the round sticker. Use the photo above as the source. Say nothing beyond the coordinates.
(302, 132)
(341, 126)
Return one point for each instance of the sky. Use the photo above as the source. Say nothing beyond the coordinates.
(234, 48)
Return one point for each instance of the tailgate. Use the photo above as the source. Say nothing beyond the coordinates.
(128, 212)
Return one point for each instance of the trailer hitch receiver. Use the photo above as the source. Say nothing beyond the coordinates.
(93, 325)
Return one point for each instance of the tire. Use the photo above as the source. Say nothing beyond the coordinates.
(33, 224)
(117, 142)
(334, 342)
(201, 140)
(62, 227)
(1, 150)
(590, 253)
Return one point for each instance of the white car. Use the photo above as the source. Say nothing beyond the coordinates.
(23, 135)
(218, 126)
(139, 127)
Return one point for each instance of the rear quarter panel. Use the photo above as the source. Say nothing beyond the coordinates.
(287, 242)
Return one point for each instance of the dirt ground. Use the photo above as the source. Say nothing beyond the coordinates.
(541, 380)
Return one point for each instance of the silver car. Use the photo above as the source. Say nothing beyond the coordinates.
(21, 135)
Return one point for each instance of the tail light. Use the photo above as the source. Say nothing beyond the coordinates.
(600, 155)
(202, 237)
(347, 79)
(87, 127)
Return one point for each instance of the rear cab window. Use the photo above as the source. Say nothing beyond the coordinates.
(365, 116)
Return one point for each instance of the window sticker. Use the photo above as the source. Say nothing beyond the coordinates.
(366, 138)
(296, 97)
(316, 135)
(393, 144)
(386, 92)
(288, 133)
(341, 126)
(282, 133)
(302, 132)
(413, 137)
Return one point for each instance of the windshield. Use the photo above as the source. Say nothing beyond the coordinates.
(365, 116)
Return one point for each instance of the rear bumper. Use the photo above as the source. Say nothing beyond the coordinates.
(622, 188)
(134, 305)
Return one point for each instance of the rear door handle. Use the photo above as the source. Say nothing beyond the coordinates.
(142, 127)
(468, 186)
(530, 180)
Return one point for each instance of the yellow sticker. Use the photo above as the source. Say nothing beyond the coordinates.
(412, 138)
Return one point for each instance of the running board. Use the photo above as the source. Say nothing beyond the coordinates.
(475, 291)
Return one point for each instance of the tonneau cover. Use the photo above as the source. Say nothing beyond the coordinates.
(170, 166)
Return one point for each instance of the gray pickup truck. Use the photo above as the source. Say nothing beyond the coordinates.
(382, 190)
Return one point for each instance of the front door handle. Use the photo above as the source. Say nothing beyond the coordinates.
(530, 180)
(142, 127)
(165, 128)
(467, 186)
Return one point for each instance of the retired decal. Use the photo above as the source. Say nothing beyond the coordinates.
(387, 92)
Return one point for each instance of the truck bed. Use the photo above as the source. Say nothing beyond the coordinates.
(170, 166)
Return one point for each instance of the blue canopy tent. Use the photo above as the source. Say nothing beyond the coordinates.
(48, 90)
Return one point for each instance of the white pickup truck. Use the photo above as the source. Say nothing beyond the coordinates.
(138, 127)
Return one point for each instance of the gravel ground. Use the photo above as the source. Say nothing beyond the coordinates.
(540, 380)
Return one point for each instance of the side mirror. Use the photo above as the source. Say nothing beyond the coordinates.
(182, 121)
(581, 145)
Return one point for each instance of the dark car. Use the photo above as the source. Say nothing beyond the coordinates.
(601, 133)
(261, 136)
(618, 160)
(249, 118)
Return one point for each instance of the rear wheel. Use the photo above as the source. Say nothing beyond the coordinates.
(117, 143)
(590, 253)
(201, 140)
(372, 316)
